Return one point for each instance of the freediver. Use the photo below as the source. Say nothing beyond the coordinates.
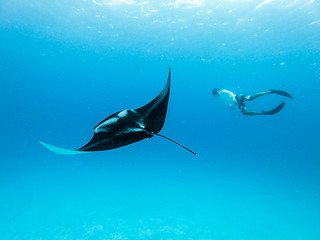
(238, 100)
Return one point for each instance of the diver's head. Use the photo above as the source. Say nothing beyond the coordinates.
(215, 92)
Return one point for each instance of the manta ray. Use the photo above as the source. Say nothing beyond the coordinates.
(127, 126)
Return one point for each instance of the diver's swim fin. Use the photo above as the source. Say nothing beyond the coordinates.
(282, 93)
(275, 110)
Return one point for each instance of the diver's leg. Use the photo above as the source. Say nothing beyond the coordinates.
(282, 93)
(259, 94)
(270, 112)
(275, 110)
(250, 113)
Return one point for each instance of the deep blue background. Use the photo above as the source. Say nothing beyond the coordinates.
(66, 66)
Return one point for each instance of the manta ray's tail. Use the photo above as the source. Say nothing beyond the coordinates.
(157, 134)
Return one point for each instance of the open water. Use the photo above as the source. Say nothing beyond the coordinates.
(67, 65)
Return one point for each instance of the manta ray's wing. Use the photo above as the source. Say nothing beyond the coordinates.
(154, 113)
(60, 150)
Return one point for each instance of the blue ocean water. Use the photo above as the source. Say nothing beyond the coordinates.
(67, 65)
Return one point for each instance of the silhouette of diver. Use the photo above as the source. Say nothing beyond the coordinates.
(239, 100)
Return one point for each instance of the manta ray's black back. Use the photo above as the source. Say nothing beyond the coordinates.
(127, 126)
(130, 125)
